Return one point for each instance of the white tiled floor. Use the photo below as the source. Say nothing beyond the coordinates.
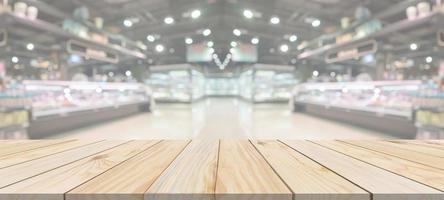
(224, 118)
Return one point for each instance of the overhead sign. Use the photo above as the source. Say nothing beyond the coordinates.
(79, 48)
(3, 37)
(355, 51)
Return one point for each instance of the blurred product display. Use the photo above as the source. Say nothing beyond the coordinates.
(374, 65)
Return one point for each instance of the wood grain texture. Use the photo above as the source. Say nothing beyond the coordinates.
(307, 179)
(437, 152)
(382, 184)
(191, 176)
(53, 184)
(33, 154)
(427, 175)
(428, 143)
(406, 154)
(16, 173)
(244, 174)
(22, 146)
(131, 179)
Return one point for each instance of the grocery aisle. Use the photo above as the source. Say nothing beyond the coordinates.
(227, 118)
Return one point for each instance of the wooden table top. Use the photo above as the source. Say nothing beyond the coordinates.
(221, 169)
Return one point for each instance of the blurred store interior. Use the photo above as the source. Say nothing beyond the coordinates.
(230, 69)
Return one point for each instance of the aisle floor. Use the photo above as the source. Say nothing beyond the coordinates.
(222, 118)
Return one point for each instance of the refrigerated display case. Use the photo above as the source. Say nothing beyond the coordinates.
(221, 86)
(386, 106)
(62, 105)
(429, 112)
(267, 83)
(176, 83)
(14, 112)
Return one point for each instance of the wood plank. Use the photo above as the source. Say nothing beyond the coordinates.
(307, 179)
(428, 143)
(382, 184)
(406, 154)
(191, 176)
(424, 174)
(412, 147)
(16, 173)
(26, 146)
(244, 174)
(131, 179)
(53, 184)
(21, 157)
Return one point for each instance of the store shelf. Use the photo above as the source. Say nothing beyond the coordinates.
(10, 19)
(431, 19)
(161, 170)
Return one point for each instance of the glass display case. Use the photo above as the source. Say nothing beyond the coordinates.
(220, 86)
(51, 98)
(14, 112)
(384, 98)
(386, 105)
(176, 83)
(58, 106)
(267, 83)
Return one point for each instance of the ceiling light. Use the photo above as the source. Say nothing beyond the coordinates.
(248, 14)
(127, 23)
(168, 20)
(189, 40)
(413, 46)
(316, 23)
(150, 38)
(195, 14)
(293, 38)
(429, 59)
(237, 32)
(233, 44)
(14, 59)
(315, 73)
(160, 48)
(284, 48)
(211, 50)
(275, 20)
(128, 73)
(30, 46)
(255, 40)
(206, 32)
(232, 50)
(210, 44)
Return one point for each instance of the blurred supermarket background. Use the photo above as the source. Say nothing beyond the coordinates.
(176, 69)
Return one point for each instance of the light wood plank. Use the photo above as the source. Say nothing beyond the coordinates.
(406, 154)
(244, 174)
(424, 174)
(16, 173)
(131, 179)
(382, 184)
(412, 147)
(26, 146)
(54, 184)
(21, 157)
(191, 176)
(427, 143)
(307, 179)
